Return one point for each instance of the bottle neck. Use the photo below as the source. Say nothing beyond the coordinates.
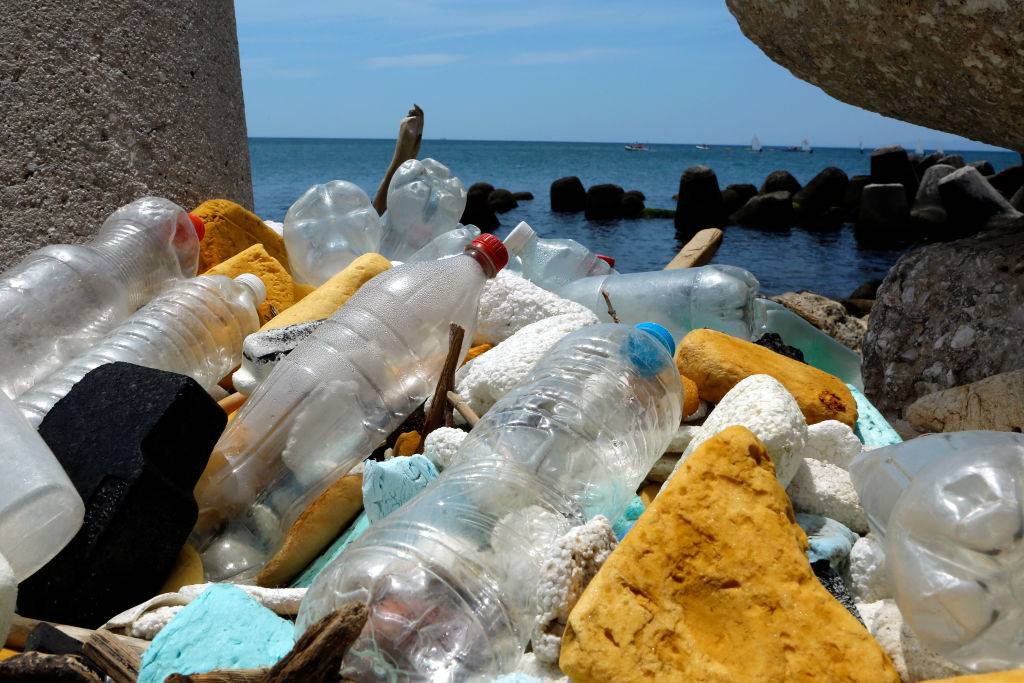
(490, 270)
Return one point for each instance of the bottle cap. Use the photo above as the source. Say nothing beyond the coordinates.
(199, 224)
(610, 260)
(517, 239)
(255, 283)
(661, 334)
(492, 248)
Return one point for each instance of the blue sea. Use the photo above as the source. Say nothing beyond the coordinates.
(830, 263)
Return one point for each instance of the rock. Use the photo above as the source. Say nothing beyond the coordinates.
(883, 215)
(603, 202)
(1007, 181)
(954, 160)
(892, 165)
(984, 167)
(822, 488)
(478, 209)
(827, 315)
(735, 196)
(944, 66)
(278, 283)
(102, 106)
(780, 181)
(928, 215)
(859, 308)
(712, 583)
(772, 210)
(8, 597)
(700, 202)
(717, 362)
(1017, 201)
(866, 290)
(1014, 676)
(631, 205)
(442, 445)
(762, 405)
(866, 575)
(827, 189)
(231, 229)
(388, 484)
(995, 403)
(927, 162)
(501, 201)
(854, 190)
(827, 539)
(834, 584)
(912, 660)
(973, 204)
(222, 629)
(568, 194)
(522, 196)
(122, 455)
(774, 342)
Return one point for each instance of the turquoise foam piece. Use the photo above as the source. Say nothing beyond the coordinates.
(827, 539)
(628, 518)
(354, 531)
(871, 428)
(516, 677)
(388, 484)
(221, 629)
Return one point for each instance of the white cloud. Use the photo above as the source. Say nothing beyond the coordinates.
(414, 60)
(564, 56)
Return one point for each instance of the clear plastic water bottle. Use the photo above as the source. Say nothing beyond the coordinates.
(819, 349)
(195, 328)
(553, 263)
(40, 509)
(447, 244)
(63, 298)
(327, 228)
(332, 401)
(722, 298)
(950, 508)
(424, 201)
(450, 577)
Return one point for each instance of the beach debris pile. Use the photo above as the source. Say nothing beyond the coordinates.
(382, 445)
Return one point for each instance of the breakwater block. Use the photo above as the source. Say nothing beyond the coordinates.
(134, 441)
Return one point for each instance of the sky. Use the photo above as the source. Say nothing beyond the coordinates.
(658, 71)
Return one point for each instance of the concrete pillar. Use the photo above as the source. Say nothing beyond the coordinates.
(103, 101)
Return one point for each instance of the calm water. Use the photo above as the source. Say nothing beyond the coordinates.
(827, 262)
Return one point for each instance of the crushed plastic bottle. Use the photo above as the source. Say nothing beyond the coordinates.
(327, 228)
(40, 509)
(61, 299)
(819, 349)
(722, 298)
(553, 263)
(450, 577)
(195, 328)
(332, 401)
(424, 201)
(950, 508)
(446, 244)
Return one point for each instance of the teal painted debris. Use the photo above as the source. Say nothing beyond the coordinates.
(628, 518)
(387, 485)
(827, 539)
(872, 428)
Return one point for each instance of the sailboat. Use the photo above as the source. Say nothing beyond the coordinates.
(861, 146)
(919, 150)
(755, 144)
(806, 146)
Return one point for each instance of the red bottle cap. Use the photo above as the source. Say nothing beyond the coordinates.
(610, 260)
(199, 224)
(493, 249)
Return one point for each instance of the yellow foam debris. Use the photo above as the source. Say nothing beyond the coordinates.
(230, 229)
(408, 443)
(256, 260)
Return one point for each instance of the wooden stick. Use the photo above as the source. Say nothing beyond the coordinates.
(222, 676)
(611, 309)
(38, 666)
(440, 414)
(464, 410)
(232, 403)
(698, 251)
(112, 657)
(407, 146)
(316, 656)
(22, 626)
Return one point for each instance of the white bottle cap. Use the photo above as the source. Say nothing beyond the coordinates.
(253, 282)
(518, 238)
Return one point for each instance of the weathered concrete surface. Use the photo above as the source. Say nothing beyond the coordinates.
(954, 66)
(946, 314)
(104, 102)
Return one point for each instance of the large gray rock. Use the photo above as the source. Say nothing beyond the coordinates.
(954, 66)
(827, 315)
(105, 102)
(946, 314)
(995, 402)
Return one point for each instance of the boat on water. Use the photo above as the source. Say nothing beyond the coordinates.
(704, 146)
(804, 147)
(637, 147)
(755, 144)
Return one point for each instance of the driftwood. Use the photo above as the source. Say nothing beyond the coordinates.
(611, 309)
(21, 627)
(698, 251)
(407, 146)
(465, 411)
(112, 657)
(45, 668)
(316, 656)
(225, 676)
(440, 414)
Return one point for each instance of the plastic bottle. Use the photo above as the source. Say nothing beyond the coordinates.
(950, 509)
(723, 298)
(40, 509)
(553, 263)
(327, 228)
(450, 577)
(332, 401)
(195, 328)
(63, 298)
(424, 201)
(446, 244)
(819, 349)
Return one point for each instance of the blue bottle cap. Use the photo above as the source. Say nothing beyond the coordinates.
(661, 334)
